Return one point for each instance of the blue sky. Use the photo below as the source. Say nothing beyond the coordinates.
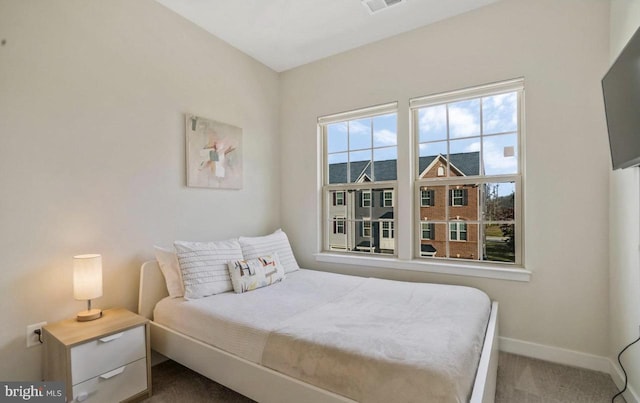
(499, 124)
(357, 140)
(361, 137)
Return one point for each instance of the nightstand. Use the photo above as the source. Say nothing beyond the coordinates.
(104, 360)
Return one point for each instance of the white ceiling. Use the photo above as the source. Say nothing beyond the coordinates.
(288, 33)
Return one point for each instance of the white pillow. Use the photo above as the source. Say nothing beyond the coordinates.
(204, 266)
(250, 274)
(253, 247)
(168, 262)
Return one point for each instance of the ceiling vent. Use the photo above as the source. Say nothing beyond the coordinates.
(374, 6)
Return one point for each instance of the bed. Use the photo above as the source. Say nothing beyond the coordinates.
(271, 354)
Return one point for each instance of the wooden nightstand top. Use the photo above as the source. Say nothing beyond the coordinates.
(70, 332)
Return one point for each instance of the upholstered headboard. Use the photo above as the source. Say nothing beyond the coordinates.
(152, 288)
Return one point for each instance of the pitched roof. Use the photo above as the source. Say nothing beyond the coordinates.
(468, 163)
(387, 216)
(383, 171)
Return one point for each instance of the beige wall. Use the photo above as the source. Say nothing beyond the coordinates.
(624, 277)
(561, 49)
(92, 102)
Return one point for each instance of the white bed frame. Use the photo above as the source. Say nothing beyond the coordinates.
(263, 384)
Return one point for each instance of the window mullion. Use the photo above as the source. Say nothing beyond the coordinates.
(348, 153)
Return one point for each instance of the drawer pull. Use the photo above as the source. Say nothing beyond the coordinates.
(113, 373)
(112, 337)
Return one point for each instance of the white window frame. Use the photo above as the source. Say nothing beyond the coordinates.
(422, 231)
(323, 123)
(453, 182)
(458, 224)
(457, 201)
(423, 198)
(390, 229)
(366, 202)
(366, 229)
(410, 257)
(340, 222)
(385, 199)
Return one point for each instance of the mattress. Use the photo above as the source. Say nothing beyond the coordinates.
(368, 339)
(241, 323)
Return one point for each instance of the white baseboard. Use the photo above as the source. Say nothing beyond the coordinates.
(555, 354)
(572, 358)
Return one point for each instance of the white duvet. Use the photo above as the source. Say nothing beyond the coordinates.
(371, 340)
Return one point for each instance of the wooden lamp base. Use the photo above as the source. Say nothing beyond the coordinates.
(90, 314)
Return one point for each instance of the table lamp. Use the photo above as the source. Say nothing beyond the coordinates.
(87, 283)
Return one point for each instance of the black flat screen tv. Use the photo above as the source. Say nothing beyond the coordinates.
(621, 89)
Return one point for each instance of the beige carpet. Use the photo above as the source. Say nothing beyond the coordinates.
(526, 380)
(520, 380)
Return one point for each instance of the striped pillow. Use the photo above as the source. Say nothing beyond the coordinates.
(254, 247)
(204, 266)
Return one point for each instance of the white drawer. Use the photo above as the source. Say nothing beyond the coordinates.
(101, 355)
(113, 386)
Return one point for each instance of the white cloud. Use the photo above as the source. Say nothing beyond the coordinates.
(384, 137)
(463, 122)
(494, 160)
(433, 120)
(429, 149)
(473, 147)
(357, 127)
(500, 113)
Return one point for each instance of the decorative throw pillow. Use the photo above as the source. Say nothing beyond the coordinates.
(204, 266)
(253, 247)
(168, 262)
(250, 274)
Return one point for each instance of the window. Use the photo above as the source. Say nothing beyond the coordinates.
(338, 199)
(426, 197)
(387, 200)
(458, 197)
(466, 176)
(360, 160)
(426, 230)
(366, 229)
(458, 231)
(338, 226)
(387, 229)
(468, 150)
(366, 199)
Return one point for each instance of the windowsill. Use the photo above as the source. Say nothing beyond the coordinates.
(429, 266)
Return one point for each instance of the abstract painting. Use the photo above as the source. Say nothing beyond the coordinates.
(214, 154)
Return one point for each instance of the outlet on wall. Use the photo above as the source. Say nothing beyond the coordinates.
(32, 337)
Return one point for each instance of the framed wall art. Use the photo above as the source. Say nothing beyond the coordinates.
(214, 154)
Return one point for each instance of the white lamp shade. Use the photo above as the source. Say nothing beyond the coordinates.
(87, 277)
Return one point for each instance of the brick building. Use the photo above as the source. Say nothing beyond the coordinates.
(363, 219)
(462, 203)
